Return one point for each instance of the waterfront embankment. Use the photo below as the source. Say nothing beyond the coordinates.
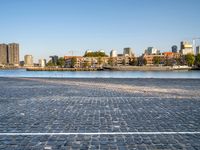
(147, 68)
(61, 69)
(115, 68)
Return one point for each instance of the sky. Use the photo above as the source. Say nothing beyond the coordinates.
(58, 27)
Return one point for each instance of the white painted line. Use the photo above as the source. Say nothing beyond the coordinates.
(99, 133)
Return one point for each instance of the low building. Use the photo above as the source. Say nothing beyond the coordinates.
(171, 58)
(79, 60)
(123, 59)
(149, 59)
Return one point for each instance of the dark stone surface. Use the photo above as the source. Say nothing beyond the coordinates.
(34, 105)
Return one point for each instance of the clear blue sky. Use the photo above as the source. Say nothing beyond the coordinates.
(49, 27)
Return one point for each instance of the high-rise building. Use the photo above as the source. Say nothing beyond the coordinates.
(186, 48)
(42, 62)
(13, 54)
(28, 61)
(151, 51)
(113, 53)
(198, 50)
(3, 54)
(128, 52)
(174, 49)
(54, 59)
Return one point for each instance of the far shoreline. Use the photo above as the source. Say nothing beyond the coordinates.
(109, 68)
(118, 68)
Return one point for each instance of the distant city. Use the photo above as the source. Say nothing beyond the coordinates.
(188, 54)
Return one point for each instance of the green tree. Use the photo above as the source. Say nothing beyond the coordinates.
(132, 61)
(144, 61)
(111, 61)
(168, 62)
(124, 61)
(95, 54)
(156, 60)
(99, 61)
(189, 58)
(50, 63)
(178, 61)
(197, 60)
(73, 62)
(61, 62)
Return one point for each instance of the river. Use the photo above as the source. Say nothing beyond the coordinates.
(100, 74)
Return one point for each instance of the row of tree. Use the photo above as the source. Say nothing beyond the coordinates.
(95, 54)
(60, 62)
(188, 59)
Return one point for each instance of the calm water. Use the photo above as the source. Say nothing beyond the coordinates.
(100, 74)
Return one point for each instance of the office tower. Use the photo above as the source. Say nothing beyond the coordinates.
(186, 48)
(42, 62)
(198, 50)
(3, 54)
(54, 59)
(13, 54)
(28, 61)
(113, 53)
(128, 52)
(151, 51)
(174, 49)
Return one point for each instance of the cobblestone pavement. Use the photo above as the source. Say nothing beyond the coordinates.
(34, 105)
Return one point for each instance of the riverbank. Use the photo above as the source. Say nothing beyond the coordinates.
(62, 69)
(147, 68)
(116, 68)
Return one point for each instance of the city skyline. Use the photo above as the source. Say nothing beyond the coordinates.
(45, 28)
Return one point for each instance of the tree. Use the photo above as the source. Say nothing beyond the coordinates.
(61, 62)
(197, 60)
(99, 61)
(189, 58)
(95, 54)
(144, 61)
(111, 61)
(168, 62)
(132, 61)
(50, 63)
(156, 60)
(73, 62)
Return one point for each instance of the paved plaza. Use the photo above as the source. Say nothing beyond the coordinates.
(39, 113)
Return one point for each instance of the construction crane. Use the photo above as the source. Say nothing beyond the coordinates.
(71, 52)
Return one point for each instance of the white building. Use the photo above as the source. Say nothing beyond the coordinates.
(151, 51)
(113, 53)
(186, 48)
(28, 61)
(42, 62)
(128, 52)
